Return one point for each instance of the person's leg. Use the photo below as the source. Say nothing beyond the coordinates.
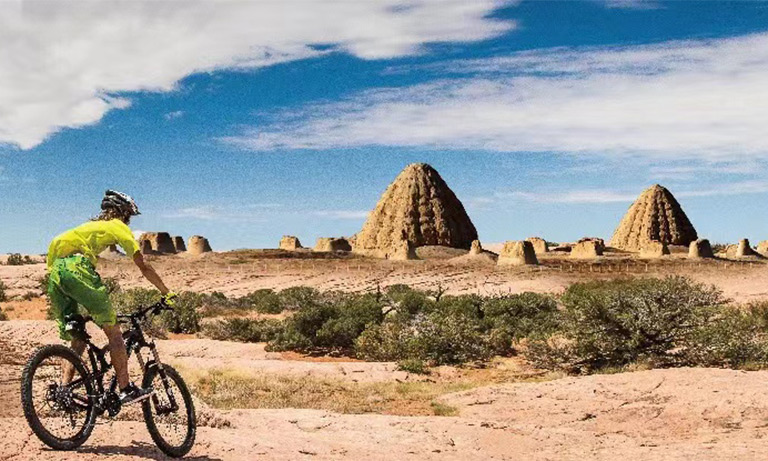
(68, 371)
(61, 307)
(118, 354)
(84, 285)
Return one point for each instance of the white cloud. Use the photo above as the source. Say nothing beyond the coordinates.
(173, 115)
(256, 212)
(676, 100)
(633, 4)
(61, 63)
(248, 213)
(574, 196)
(584, 196)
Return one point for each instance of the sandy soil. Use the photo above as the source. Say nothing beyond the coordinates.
(239, 272)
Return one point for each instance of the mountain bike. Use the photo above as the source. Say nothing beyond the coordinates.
(63, 414)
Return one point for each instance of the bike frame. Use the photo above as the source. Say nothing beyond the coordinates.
(135, 341)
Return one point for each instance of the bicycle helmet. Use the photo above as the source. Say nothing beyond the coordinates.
(119, 201)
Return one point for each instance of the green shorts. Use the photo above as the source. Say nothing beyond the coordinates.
(72, 281)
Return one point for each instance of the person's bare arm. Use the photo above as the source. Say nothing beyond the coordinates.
(149, 273)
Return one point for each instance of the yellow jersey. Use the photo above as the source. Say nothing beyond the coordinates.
(92, 238)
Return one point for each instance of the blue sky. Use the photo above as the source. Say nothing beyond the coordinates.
(246, 121)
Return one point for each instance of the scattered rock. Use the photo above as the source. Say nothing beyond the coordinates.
(744, 249)
(598, 241)
(762, 248)
(198, 245)
(331, 244)
(587, 249)
(654, 249)
(178, 243)
(517, 253)
(161, 242)
(540, 245)
(700, 249)
(418, 207)
(290, 243)
(145, 246)
(655, 216)
(476, 248)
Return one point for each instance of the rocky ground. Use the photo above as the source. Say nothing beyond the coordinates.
(703, 414)
(658, 414)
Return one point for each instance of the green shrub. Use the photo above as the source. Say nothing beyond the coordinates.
(413, 366)
(525, 315)
(735, 337)
(243, 329)
(324, 325)
(350, 319)
(265, 301)
(111, 284)
(389, 341)
(295, 298)
(3, 317)
(42, 284)
(436, 338)
(185, 317)
(3, 296)
(614, 323)
(15, 259)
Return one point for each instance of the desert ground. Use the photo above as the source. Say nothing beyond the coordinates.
(354, 409)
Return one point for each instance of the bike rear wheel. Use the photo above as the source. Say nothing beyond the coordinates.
(173, 431)
(62, 416)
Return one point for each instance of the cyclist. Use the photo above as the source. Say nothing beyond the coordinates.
(73, 280)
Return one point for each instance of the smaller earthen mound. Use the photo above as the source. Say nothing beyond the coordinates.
(762, 248)
(111, 252)
(161, 241)
(700, 249)
(198, 245)
(330, 244)
(654, 249)
(517, 253)
(145, 246)
(178, 243)
(476, 248)
(290, 243)
(598, 241)
(744, 249)
(587, 249)
(540, 245)
(402, 251)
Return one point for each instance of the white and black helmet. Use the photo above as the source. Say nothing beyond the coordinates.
(119, 201)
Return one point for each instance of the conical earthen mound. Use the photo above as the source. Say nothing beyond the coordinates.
(655, 216)
(418, 207)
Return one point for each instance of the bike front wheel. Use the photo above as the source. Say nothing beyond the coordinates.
(170, 412)
(59, 411)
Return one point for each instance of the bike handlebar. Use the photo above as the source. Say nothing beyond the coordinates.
(153, 309)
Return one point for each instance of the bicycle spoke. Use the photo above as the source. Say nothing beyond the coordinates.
(62, 411)
(172, 425)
